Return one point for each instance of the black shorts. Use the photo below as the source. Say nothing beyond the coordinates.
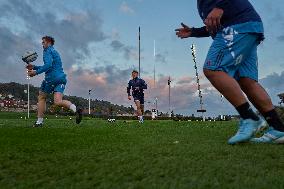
(139, 97)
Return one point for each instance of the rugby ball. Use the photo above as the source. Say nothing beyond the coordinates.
(29, 57)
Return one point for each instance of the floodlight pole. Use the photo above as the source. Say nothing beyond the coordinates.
(28, 79)
(154, 64)
(156, 98)
(29, 98)
(156, 104)
(169, 84)
(139, 51)
(90, 101)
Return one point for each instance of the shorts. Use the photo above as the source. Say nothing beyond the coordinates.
(235, 54)
(139, 97)
(49, 87)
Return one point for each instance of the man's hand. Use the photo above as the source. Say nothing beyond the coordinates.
(183, 32)
(129, 97)
(30, 66)
(31, 73)
(213, 20)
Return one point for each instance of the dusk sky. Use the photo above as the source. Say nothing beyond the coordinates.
(98, 43)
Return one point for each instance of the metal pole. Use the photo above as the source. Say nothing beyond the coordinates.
(169, 83)
(154, 64)
(90, 101)
(139, 51)
(156, 104)
(28, 78)
(28, 98)
(89, 105)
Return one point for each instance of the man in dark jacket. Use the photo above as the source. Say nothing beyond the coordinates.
(137, 85)
(232, 67)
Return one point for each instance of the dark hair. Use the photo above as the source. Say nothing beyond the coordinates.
(134, 71)
(49, 39)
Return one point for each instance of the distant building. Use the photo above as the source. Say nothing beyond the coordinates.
(9, 103)
(10, 96)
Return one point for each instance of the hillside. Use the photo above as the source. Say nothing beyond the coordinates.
(98, 106)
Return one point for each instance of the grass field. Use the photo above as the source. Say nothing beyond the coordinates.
(157, 154)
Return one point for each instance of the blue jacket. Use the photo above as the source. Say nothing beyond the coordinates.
(133, 84)
(52, 65)
(235, 12)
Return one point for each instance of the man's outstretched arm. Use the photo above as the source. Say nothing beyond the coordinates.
(200, 32)
(185, 32)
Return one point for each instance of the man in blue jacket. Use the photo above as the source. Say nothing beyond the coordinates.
(232, 67)
(137, 85)
(54, 82)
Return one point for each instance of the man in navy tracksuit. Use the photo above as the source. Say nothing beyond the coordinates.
(137, 85)
(231, 64)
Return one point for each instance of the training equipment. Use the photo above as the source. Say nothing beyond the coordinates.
(193, 52)
(247, 129)
(29, 57)
(111, 120)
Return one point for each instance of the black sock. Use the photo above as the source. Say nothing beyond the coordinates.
(273, 120)
(246, 112)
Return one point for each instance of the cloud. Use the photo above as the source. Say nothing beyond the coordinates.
(280, 38)
(129, 52)
(115, 34)
(274, 85)
(109, 83)
(125, 8)
(184, 96)
(185, 80)
(73, 31)
(13, 47)
(161, 57)
(116, 45)
(273, 81)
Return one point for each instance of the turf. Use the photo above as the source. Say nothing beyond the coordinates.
(157, 154)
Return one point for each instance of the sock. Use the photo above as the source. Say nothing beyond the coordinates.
(73, 107)
(246, 112)
(39, 120)
(273, 120)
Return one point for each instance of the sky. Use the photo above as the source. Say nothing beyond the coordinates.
(98, 43)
